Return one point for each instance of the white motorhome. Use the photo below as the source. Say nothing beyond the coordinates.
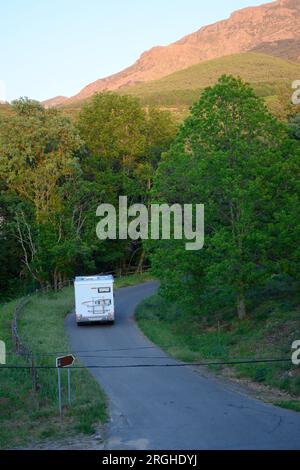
(94, 299)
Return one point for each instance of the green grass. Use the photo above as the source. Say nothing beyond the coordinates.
(264, 72)
(290, 405)
(24, 415)
(268, 332)
(132, 280)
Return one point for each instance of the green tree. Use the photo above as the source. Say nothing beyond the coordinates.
(294, 126)
(37, 160)
(11, 266)
(124, 144)
(53, 176)
(159, 131)
(111, 126)
(230, 154)
(123, 140)
(37, 154)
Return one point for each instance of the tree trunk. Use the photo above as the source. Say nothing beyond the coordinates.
(59, 281)
(139, 269)
(241, 307)
(55, 280)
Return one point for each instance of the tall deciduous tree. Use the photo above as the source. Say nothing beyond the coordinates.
(37, 159)
(231, 155)
(124, 144)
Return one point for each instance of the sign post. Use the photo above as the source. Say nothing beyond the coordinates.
(59, 391)
(69, 385)
(62, 362)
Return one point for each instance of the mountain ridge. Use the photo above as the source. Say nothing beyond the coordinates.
(272, 28)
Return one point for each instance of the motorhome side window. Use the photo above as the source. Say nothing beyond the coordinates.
(103, 290)
(103, 302)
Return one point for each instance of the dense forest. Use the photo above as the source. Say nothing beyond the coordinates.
(55, 171)
(229, 154)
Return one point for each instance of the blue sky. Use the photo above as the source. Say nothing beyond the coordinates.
(56, 47)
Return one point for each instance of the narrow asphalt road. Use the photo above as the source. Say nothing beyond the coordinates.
(172, 408)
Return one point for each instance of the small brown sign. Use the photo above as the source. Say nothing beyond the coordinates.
(65, 361)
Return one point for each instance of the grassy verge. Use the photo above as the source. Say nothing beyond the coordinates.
(290, 405)
(268, 332)
(24, 415)
(132, 280)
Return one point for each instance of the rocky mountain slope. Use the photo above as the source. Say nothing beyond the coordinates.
(272, 28)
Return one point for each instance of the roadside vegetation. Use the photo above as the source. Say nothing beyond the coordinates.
(28, 417)
(233, 156)
(132, 280)
(239, 295)
(217, 336)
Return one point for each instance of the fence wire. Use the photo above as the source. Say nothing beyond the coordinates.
(177, 364)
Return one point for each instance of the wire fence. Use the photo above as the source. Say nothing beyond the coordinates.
(20, 348)
(173, 365)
